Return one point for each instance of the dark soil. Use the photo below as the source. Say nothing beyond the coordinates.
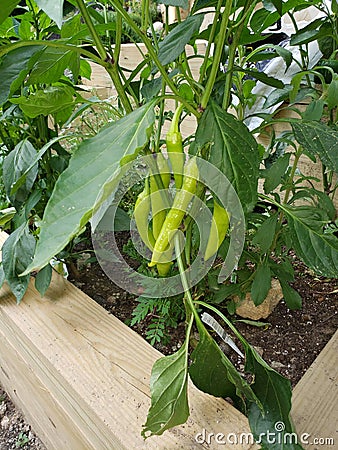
(289, 342)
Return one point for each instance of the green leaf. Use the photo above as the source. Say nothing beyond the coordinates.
(115, 219)
(265, 234)
(233, 151)
(274, 391)
(277, 96)
(7, 7)
(261, 283)
(12, 65)
(88, 181)
(43, 279)
(169, 396)
(274, 174)
(50, 66)
(6, 215)
(212, 372)
(314, 111)
(291, 296)
(261, 76)
(263, 18)
(53, 9)
(319, 251)
(174, 43)
(21, 179)
(318, 139)
(181, 3)
(17, 254)
(14, 166)
(51, 100)
(332, 94)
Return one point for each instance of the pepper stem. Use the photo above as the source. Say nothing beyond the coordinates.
(176, 118)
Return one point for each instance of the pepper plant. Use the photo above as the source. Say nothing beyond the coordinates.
(34, 62)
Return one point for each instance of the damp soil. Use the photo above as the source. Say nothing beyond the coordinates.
(289, 341)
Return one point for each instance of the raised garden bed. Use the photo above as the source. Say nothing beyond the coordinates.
(81, 378)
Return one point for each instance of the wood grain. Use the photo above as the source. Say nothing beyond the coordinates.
(81, 376)
(315, 398)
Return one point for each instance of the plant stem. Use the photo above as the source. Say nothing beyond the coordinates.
(218, 54)
(210, 40)
(111, 67)
(298, 154)
(89, 23)
(153, 56)
(187, 294)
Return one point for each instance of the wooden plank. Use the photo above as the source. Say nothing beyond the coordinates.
(81, 377)
(315, 399)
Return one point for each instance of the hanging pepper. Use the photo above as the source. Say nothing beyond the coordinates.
(175, 148)
(157, 202)
(141, 215)
(218, 230)
(177, 211)
(158, 206)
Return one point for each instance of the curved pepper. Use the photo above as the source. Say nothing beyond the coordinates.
(157, 205)
(175, 148)
(218, 230)
(141, 214)
(177, 211)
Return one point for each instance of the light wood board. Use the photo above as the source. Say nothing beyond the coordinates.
(315, 400)
(81, 376)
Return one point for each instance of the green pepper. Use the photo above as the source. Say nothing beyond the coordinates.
(157, 205)
(141, 214)
(218, 230)
(177, 212)
(175, 148)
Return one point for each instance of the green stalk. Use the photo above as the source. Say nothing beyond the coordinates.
(153, 56)
(111, 67)
(218, 54)
(298, 154)
(187, 294)
(89, 23)
(210, 41)
(118, 38)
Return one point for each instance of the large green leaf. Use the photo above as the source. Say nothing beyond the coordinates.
(212, 372)
(319, 251)
(17, 254)
(17, 163)
(233, 151)
(7, 7)
(169, 396)
(51, 100)
(12, 65)
(50, 66)
(318, 139)
(53, 9)
(274, 391)
(88, 180)
(174, 43)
